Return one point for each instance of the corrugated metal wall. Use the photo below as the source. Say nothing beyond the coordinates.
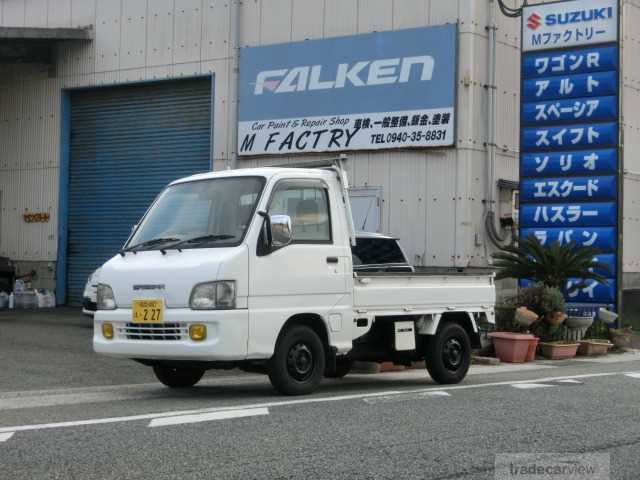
(126, 144)
(433, 199)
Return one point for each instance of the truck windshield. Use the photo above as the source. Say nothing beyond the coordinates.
(203, 213)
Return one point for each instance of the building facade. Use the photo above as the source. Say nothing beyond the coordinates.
(80, 158)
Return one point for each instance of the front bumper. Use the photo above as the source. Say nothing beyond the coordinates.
(227, 334)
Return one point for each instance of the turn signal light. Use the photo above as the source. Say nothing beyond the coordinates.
(107, 330)
(198, 332)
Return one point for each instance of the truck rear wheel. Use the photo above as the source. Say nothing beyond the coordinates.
(178, 377)
(448, 354)
(297, 365)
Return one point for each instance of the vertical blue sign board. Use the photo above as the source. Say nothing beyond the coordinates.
(569, 137)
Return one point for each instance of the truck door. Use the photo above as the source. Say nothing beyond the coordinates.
(308, 276)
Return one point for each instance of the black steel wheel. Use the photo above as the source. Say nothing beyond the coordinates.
(298, 362)
(448, 354)
(178, 377)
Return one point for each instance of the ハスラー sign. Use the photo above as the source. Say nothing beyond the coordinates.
(569, 24)
(379, 90)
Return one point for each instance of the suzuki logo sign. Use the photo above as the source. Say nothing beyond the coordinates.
(570, 23)
(533, 22)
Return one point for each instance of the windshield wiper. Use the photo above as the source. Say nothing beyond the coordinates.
(147, 243)
(200, 239)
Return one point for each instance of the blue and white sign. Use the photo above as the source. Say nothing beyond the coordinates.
(569, 169)
(603, 238)
(573, 189)
(569, 24)
(570, 136)
(570, 86)
(570, 111)
(571, 62)
(379, 90)
(591, 292)
(572, 163)
(569, 215)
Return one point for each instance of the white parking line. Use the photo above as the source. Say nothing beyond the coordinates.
(6, 436)
(531, 386)
(408, 396)
(570, 380)
(298, 401)
(633, 375)
(207, 417)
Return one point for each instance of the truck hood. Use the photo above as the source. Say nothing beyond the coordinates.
(171, 277)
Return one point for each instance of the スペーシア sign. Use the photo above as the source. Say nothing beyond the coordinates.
(569, 24)
(569, 138)
(379, 90)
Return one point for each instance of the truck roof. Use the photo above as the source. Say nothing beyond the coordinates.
(266, 172)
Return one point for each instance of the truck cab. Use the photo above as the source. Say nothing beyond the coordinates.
(254, 269)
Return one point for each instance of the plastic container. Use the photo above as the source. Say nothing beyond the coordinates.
(4, 300)
(594, 348)
(558, 351)
(18, 287)
(26, 300)
(512, 347)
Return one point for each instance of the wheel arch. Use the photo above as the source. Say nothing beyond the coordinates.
(466, 321)
(312, 320)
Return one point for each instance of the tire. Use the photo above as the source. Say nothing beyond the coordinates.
(448, 354)
(178, 377)
(343, 367)
(298, 363)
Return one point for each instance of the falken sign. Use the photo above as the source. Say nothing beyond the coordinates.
(569, 162)
(569, 24)
(379, 90)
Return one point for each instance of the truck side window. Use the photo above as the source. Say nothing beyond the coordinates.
(308, 207)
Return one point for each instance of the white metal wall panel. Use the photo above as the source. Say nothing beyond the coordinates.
(410, 13)
(159, 32)
(340, 17)
(304, 19)
(133, 34)
(375, 15)
(445, 12)
(275, 21)
(13, 13)
(215, 29)
(108, 15)
(83, 12)
(36, 11)
(187, 39)
(250, 21)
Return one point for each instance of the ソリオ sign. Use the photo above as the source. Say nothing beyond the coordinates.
(373, 91)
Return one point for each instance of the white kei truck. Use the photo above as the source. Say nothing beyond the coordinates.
(254, 269)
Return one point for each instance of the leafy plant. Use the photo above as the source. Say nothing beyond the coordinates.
(540, 299)
(551, 265)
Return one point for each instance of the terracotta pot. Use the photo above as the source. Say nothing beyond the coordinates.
(531, 353)
(555, 318)
(621, 340)
(558, 351)
(511, 347)
(593, 348)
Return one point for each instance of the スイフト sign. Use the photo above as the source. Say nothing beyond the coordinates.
(373, 91)
(569, 161)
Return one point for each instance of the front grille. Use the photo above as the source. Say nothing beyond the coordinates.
(154, 331)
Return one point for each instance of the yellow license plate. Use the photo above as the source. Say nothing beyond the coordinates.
(147, 311)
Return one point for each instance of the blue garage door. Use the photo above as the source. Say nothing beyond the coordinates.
(126, 144)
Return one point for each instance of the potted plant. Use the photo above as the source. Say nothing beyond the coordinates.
(558, 350)
(551, 265)
(621, 337)
(593, 347)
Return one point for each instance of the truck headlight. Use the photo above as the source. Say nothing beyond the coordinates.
(214, 296)
(105, 298)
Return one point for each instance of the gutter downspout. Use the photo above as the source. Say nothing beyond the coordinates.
(233, 103)
(490, 219)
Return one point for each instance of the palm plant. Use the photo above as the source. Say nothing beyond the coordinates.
(550, 265)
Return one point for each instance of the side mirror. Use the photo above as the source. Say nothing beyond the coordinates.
(281, 232)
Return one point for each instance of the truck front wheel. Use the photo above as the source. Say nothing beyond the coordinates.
(298, 363)
(448, 354)
(178, 377)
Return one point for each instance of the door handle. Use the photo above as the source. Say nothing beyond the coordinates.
(332, 259)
